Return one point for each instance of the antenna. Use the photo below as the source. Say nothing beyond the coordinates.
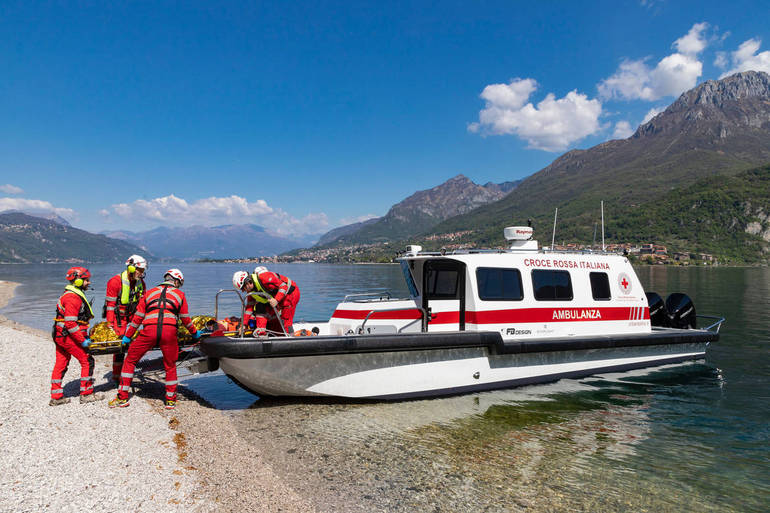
(603, 225)
(593, 244)
(553, 235)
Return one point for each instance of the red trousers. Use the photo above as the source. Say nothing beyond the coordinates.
(287, 306)
(117, 358)
(66, 348)
(147, 339)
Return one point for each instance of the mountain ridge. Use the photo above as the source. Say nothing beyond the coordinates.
(29, 239)
(420, 211)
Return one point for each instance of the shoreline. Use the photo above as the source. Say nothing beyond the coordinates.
(141, 458)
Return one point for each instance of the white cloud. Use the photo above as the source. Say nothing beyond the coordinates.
(693, 42)
(722, 60)
(358, 219)
(33, 207)
(671, 76)
(552, 125)
(746, 58)
(623, 130)
(652, 113)
(171, 210)
(11, 189)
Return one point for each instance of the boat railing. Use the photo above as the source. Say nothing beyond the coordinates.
(714, 326)
(242, 328)
(374, 294)
(243, 308)
(423, 315)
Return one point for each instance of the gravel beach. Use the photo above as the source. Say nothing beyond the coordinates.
(79, 457)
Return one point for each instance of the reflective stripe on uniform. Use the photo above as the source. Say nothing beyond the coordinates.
(166, 315)
(56, 381)
(170, 394)
(110, 298)
(70, 318)
(172, 382)
(127, 375)
(124, 388)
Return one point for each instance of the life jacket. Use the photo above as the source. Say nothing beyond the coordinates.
(128, 298)
(85, 314)
(164, 304)
(259, 288)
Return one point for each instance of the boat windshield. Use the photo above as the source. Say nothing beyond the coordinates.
(408, 278)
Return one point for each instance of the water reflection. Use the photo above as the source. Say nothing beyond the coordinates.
(565, 445)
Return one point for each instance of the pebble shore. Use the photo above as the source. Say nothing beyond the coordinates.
(88, 457)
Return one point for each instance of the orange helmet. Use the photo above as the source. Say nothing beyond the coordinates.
(77, 275)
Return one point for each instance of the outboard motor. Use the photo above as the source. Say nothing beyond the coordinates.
(681, 311)
(658, 313)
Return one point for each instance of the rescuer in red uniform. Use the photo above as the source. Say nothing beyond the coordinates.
(70, 335)
(268, 288)
(124, 291)
(157, 313)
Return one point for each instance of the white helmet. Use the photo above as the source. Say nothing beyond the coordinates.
(137, 262)
(239, 278)
(176, 274)
(259, 270)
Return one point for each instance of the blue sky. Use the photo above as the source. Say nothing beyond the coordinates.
(303, 116)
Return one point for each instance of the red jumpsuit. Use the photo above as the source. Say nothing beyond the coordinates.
(70, 330)
(157, 314)
(283, 290)
(118, 313)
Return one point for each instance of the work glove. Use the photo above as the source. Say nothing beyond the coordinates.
(197, 334)
(252, 324)
(125, 340)
(273, 302)
(86, 343)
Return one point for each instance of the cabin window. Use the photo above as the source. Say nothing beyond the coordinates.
(551, 285)
(600, 286)
(499, 284)
(442, 283)
(408, 278)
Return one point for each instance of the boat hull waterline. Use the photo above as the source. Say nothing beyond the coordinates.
(425, 365)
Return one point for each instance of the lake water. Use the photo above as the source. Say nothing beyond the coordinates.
(692, 437)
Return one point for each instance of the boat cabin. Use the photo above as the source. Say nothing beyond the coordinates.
(522, 292)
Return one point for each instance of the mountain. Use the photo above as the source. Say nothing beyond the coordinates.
(722, 215)
(719, 128)
(29, 239)
(421, 211)
(51, 216)
(195, 242)
(342, 231)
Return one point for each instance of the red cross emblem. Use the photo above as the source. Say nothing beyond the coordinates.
(624, 282)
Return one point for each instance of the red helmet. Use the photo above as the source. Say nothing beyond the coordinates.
(77, 274)
(176, 274)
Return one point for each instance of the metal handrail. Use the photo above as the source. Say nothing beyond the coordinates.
(243, 308)
(423, 314)
(380, 292)
(275, 310)
(716, 325)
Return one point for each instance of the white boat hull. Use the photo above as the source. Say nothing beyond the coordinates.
(421, 373)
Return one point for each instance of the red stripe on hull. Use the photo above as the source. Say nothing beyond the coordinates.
(519, 315)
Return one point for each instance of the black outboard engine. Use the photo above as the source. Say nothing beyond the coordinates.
(681, 311)
(658, 313)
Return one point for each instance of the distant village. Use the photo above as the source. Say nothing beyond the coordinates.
(649, 253)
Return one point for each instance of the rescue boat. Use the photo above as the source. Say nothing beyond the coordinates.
(475, 320)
